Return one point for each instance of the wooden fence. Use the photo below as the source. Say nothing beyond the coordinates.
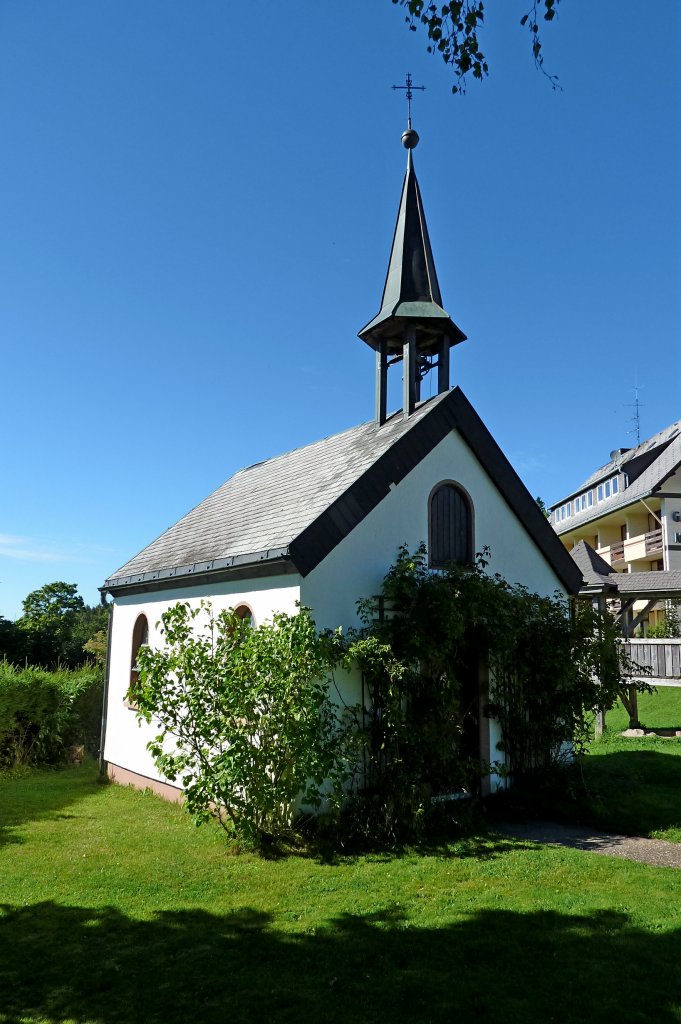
(661, 657)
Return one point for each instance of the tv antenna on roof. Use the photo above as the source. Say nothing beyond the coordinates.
(636, 405)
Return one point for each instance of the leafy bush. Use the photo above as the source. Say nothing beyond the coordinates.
(245, 717)
(669, 625)
(43, 714)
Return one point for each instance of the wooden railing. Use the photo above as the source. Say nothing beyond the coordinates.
(617, 552)
(661, 658)
(653, 541)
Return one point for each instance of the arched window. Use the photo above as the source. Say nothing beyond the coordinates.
(450, 526)
(242, 611)
(140, 636)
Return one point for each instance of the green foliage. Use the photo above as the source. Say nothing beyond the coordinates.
(51, 605)
(422, 663)
(246, 722)
(453, 28)
(542, 507)
(91, 623)
(12, 641)
(54, 629)
(47, 622)
(42, 714)
(669, 627)
(96, 646)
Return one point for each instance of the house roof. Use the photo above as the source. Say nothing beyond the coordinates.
(647, 467)
(600, 577)
(288, 513)
(411, 291)
(594, 569)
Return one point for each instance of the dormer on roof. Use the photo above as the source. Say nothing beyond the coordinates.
(411, 325)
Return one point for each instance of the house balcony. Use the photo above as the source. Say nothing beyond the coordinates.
(617, 554)
(635, 549)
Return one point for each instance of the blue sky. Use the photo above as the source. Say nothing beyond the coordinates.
(196, 209)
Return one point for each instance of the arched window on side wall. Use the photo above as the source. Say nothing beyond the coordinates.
(140, 636)
(243, 612)
(450, 526)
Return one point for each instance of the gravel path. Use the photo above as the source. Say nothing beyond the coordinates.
(649, 851)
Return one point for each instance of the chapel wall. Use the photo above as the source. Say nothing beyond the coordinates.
(126, 739)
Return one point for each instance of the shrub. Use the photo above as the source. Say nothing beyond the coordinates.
(43, 713)
(245, 718)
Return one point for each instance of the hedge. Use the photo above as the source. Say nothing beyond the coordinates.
(43, 715)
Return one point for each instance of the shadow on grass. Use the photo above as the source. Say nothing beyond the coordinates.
(34, 794)
(635, 791)
(482, 845)
(68, 963)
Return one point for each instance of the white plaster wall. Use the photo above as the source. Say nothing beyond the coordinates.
(126, 739)
(669, 527)
(357, 566)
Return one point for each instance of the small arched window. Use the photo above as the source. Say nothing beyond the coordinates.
(243, 612)
(140, 636)
(450, 526)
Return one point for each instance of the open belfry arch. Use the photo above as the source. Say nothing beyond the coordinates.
(411, 326)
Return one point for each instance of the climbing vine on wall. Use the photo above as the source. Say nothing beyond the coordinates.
(439, 649)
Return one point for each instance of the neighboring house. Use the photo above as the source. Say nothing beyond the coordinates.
(322, 524)
(629, 511)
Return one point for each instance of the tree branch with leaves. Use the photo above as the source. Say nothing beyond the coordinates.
(453, 31)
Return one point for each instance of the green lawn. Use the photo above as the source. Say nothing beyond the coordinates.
(116, 909)
(658, 710)
(634, 785)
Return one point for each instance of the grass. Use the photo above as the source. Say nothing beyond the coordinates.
(115, 908)
(633, 785)
(658, 710)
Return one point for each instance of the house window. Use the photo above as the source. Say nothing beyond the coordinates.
(599, 493)
(615, 486)
(607, 488)
(590, 498)
(450, 526)
(140, 637)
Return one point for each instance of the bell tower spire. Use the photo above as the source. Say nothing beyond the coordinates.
(411, 325)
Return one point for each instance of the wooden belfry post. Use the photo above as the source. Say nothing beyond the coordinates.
(409, 388)
(381, 381)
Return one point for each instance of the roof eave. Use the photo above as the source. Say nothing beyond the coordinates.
(274, 562)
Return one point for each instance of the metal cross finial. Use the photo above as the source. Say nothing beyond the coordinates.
(408, 88)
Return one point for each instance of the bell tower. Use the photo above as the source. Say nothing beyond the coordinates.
(411, 326)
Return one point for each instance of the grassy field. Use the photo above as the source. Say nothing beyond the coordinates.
(634, 785)
(658, 710)
(115, 908)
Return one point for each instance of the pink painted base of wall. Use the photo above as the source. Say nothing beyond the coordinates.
(127, 778)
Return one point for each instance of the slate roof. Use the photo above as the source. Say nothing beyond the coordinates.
(288, 513)
(662, 453)
(594, 569)
(600, 577)
(650, 584)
